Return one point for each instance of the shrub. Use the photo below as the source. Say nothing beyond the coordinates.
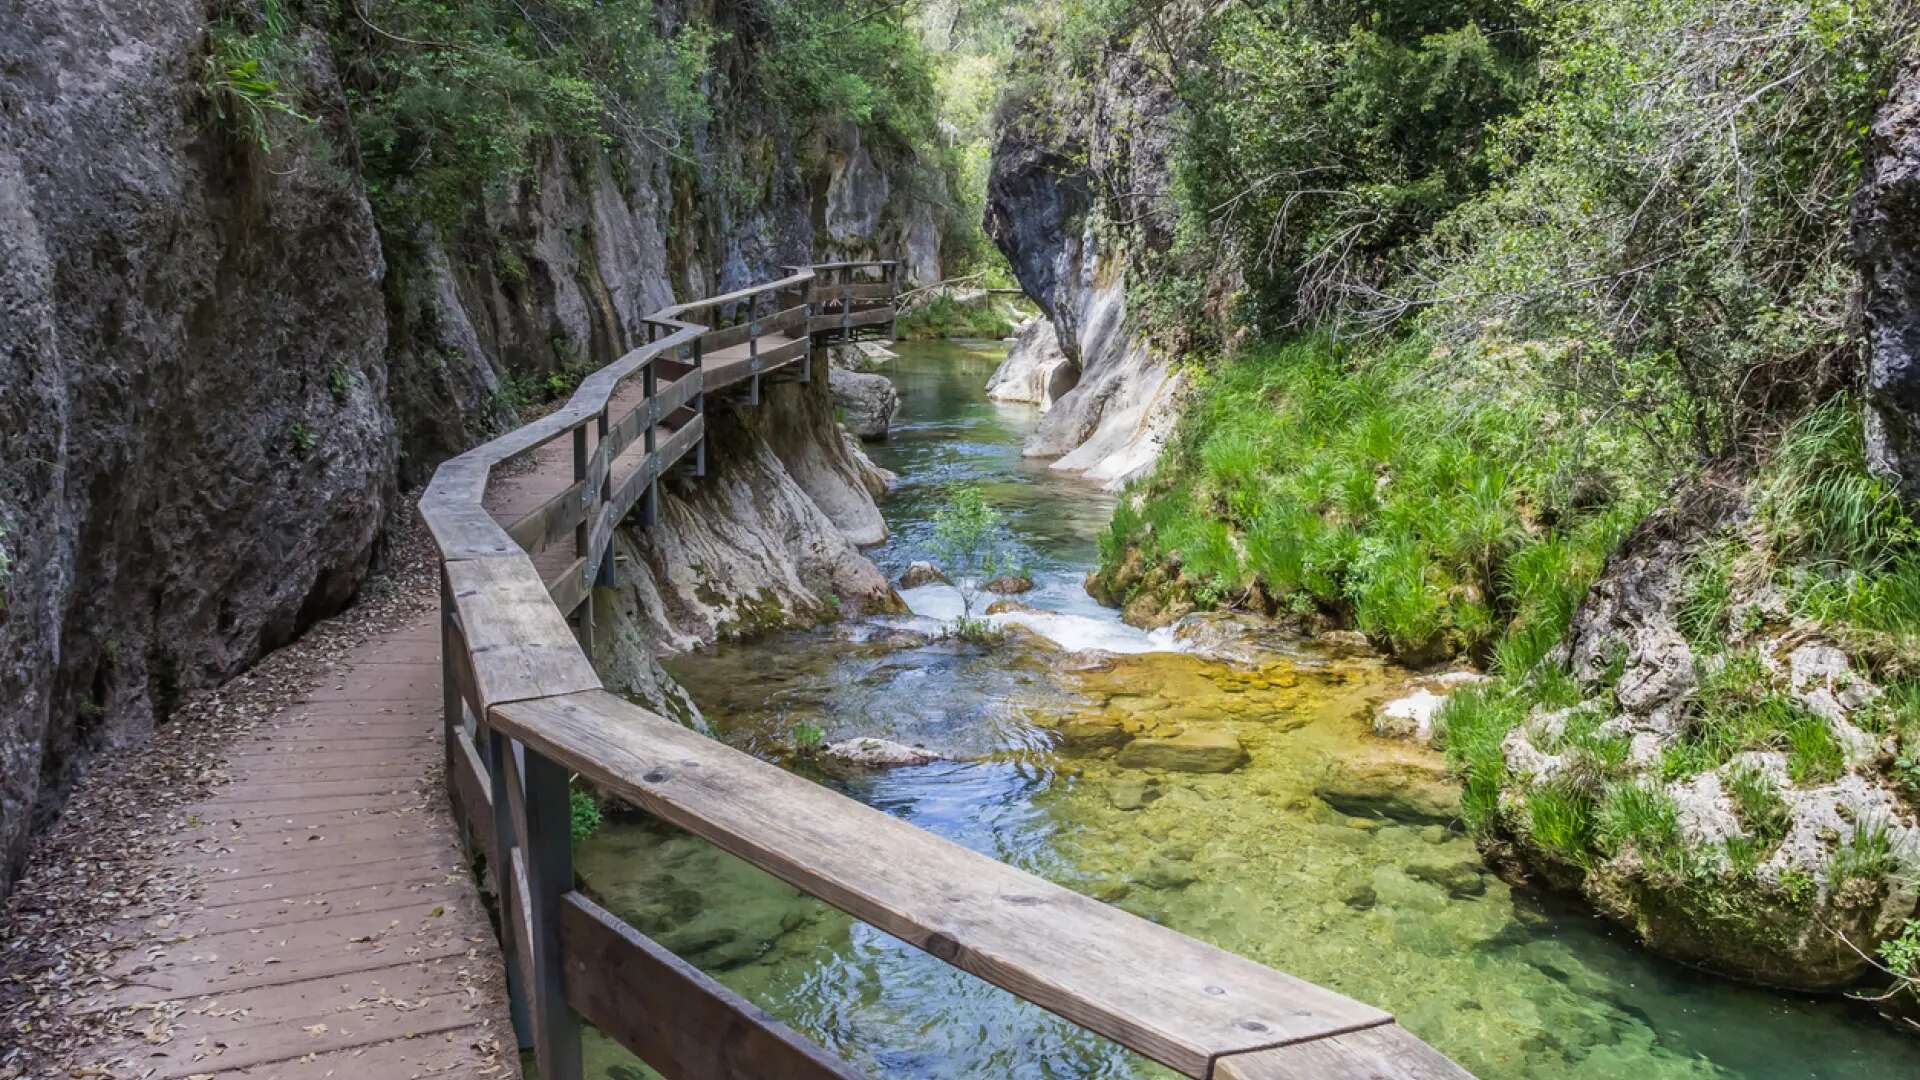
(584, 815)
(970, 539)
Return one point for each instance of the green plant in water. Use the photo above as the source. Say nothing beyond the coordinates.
(807, 737)
(970, 540)
(584, 813)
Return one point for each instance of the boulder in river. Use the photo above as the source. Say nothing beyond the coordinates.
(1092, 732)
(1403, 785)
(923, 573)
(1010, 584)
(866, 402)
(1198, 751)
(871, 753)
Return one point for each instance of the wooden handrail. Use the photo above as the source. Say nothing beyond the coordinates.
(524, 709)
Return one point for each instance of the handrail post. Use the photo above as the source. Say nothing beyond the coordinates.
(452, 706)
(582, 538)
(603, 574)
(650, 502)
(548, 858)
(501, 863)
(700, 409)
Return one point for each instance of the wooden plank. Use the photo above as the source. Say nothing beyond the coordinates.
(675, 446)
(786, 323)
(871, 263)
(473, 792)
(861, 291)
(668, 1013)
(670, 396)
(569, 587)
(672, 315)
(729, 337)
(1387, 1052)
(873, 317)
(1175, 1000)
(552, 520)
(782, 354)
(519, 643)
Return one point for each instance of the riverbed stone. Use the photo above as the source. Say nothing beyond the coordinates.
(871, 753)
(921, 573)
(1012, 607)
(1092, 732)
(1133, 794)
(1010, 584)
(1409, 792)
(1200, 751)
(866, 402)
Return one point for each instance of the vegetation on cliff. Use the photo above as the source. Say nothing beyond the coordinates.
(1553, 324)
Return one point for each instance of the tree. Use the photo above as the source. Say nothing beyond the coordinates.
(970, 539)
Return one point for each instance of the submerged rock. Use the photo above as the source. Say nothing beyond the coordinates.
(1092, 732)
(871, 753)
(1198, 751)
(1013, 607)
(1133, 794)
(923, 573)
(1399, 784)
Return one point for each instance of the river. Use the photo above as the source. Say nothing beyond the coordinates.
(1375, 899)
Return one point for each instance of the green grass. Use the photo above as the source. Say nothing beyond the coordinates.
(1758, 805)
(1851, 544)
(1470, 727)
(1867, 854)
(1642, 815)
(1429, 525)
(1708, 596)
(945, 317)
(1562, 819)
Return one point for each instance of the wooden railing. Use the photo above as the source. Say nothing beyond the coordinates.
(525, 710)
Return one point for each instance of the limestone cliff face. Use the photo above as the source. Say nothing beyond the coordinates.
(216, 373)
(1072, 202)
(1887, 239)
(199, 452)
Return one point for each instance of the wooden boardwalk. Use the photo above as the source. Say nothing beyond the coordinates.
(337, 931)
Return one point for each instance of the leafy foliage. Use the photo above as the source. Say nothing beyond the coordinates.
(454, 99)
(970, 540)
(583, 815)
(1326, 135)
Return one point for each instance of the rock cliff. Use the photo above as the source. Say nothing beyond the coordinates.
(1887, 239)
(1073, 202)
(217, 372)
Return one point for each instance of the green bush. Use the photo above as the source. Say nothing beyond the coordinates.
(454, 99)
(584, 815)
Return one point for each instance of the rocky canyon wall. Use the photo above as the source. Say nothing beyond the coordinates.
(1076, 202)
(217, 373)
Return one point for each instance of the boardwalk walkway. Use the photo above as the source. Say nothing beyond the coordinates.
(337, 931)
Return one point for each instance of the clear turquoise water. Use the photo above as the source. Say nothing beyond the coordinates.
(1509, 983)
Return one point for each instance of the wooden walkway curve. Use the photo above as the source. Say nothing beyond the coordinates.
(336, 928)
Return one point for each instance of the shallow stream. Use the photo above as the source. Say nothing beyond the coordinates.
(1323, 857)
